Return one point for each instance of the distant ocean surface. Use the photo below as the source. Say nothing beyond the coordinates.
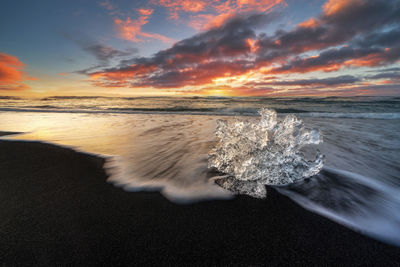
(335, 107)
(162, 143)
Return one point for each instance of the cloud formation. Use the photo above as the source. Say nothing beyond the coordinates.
(222, 51)
(207, 14)
(12, 76)
(105, 53)
(332, 81)
(204, 14)
(347, 34)
(129, 28)
(132, 29)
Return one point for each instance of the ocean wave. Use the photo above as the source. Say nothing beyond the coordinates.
(10, 98)
(70, 97)
(382, 116)
(44, 107)
(362, 203)
(171, 109)
(203, 111)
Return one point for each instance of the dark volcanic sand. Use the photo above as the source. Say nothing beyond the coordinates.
(56, 208)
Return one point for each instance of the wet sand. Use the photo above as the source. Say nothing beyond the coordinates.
(56, 208)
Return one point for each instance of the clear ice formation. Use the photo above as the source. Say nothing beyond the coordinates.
(265, 152)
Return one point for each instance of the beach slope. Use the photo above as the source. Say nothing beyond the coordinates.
(56, 208)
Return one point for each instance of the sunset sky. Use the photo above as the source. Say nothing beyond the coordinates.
(201, 47)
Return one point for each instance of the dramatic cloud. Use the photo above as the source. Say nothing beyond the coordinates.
(347, 34)
(132, 29)
(12, 76)
(204, 14)
(129, 26)
(214, 13)
(333, 81)
(102, 52)
(105, 53)
(334, 59)
(176, 6)
(387, 77)
(339, 23)
(197, 60)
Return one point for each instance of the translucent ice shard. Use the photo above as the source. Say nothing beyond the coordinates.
(253, 154)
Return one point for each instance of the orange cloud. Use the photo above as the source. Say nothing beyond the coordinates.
(386, 82)
(371, 60)
(329, 67)
(175, 6)
(198, 21)
(214, 14)
(145, 12)
(257, 5)
(121, 74)
(132, 29)
(252, 45)
(128, 29)
(332, 7)
(218, 12)
(157, 36)
(310, 23)
(139, 75)
(218, 20)
(12, 74)
(231, 8)
(119, 78)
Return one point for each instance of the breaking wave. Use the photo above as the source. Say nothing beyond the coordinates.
(264, 152)
(362, 203)
(371, 115)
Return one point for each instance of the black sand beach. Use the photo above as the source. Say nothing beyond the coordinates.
(56, 208)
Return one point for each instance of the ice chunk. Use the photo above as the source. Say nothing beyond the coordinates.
(264, 152)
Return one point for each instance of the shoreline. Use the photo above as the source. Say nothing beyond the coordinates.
(8, 133)
(57, 209)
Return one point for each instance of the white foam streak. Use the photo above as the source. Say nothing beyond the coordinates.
(359, 202)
